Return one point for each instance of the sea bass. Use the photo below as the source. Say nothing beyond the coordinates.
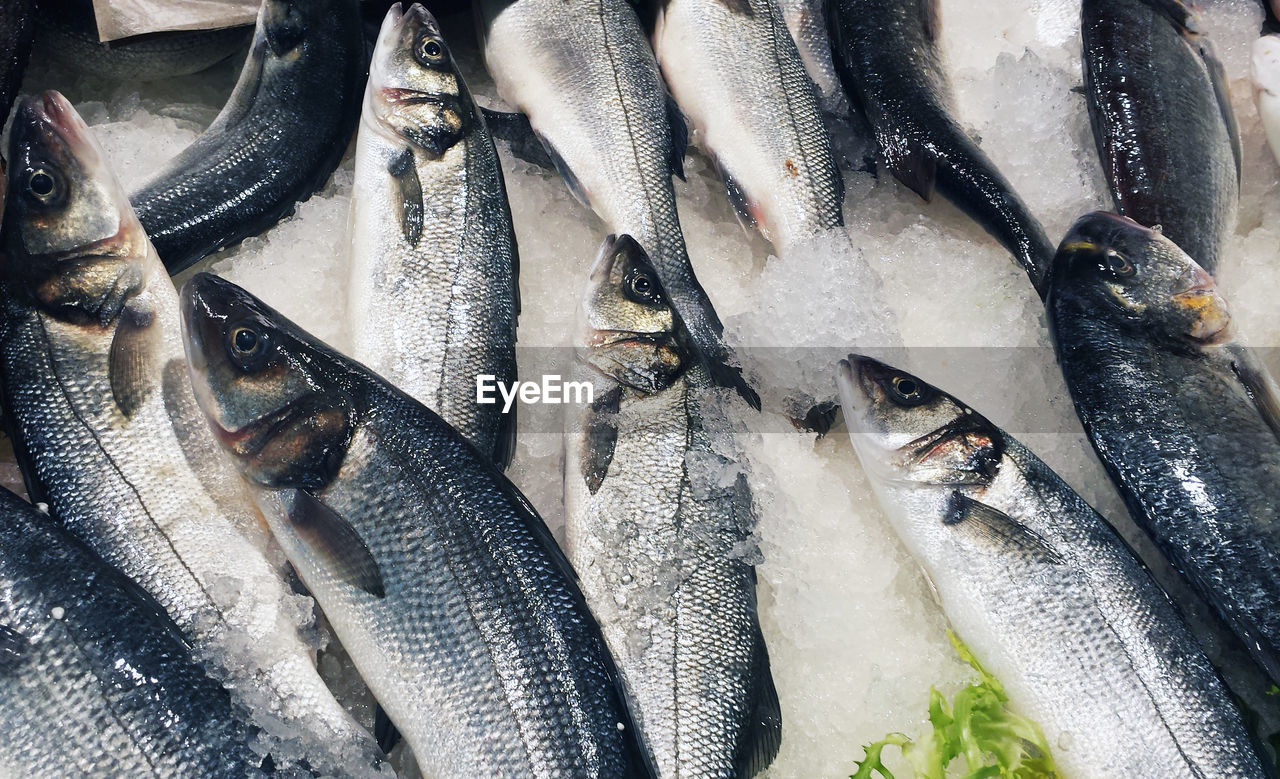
(583, 73)
(736, 74)
(807, 22)
(104, 422)
(279, 136)
(442, 582)
(1042, 589)
(888, 59)
(97, 681)
(433, 298)
(1162, 121)
(1185, 419)
(663, 549)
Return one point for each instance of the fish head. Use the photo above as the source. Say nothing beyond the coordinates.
(632, 331)
(273, 396)
(416, 93)
(906, 430)
(1135, 275)
(74, 247)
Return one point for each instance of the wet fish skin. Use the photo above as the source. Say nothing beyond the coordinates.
(888, 60)
(1042, 589)
(584, 74)
(17, 26)
(1184, 418)
(433, 295)
(103, 420)
(807, 22)
(1162, 122)
(97, 679)
(443, 584)
(281, 133)
(664, 554)
(735, 72)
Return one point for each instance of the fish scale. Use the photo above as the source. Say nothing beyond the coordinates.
(432, 312)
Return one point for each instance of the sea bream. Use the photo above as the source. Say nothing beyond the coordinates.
(281, 133)
(583, 73)
(103, 421)
(97, 680)
(1184, 417)
(664, 550)
(1162, 121)
(737, 76)
(442, 582)
(887, 56)
(433, 295)
(1042, 590)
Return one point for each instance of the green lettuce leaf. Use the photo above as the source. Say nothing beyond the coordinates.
(977, 728)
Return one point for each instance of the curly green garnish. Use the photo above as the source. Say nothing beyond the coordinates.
(978, 728)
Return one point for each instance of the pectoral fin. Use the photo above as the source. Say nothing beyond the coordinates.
(331, 539)
(131, 367)
(515, 130)
(1260, 386)
(993, 526)
(915, 167)
(600, 436)
(409, 193)
(1218, 76)
(679, 136)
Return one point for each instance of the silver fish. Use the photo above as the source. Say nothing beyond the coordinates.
(433, 297)
(1042, 589)
(663, 550)
(444, 585)
(104, 421)
(583, 73)
(737, 76)
(807, 21)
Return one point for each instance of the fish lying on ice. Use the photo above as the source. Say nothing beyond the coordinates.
(1162, 121)
(662, 548)
(443, 584)
(103, 419)
(887, 56)
(433, 295)
(1042, 589)
(1185, 419)
(279, 136)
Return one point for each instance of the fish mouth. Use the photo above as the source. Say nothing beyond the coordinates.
(854, 377)
(603, 339)
(1199, 298)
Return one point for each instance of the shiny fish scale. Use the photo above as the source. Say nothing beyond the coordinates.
(482, 651)
(103, 684)
(739, 79)
(660, 564)
(430, 318)
(584, 74)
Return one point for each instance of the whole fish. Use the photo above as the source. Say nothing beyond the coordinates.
(282, 132)
(433, 294)
(104, 422)
(888, 60)
(584, 74)
(1045, 593)
(1185, 419)
(442, 582)
(807, 22)
(1162, 121)
(17, 26)
(662, 548)
(736, 74)
(97, 679)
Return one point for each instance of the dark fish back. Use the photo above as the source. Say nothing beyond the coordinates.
(16, 30)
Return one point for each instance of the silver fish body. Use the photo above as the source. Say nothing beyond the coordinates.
(737, 76)
(584, 74)
(663, 549)
(104, 421)
(433, 296)
(807, 21)
(1042, 589)
(97, 681)
(445, 587)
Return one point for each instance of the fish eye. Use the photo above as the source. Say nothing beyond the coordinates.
(429, 51)
(1115, 263)
(640, 287)
(42, 185)
(908, 391)
(247, 346)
